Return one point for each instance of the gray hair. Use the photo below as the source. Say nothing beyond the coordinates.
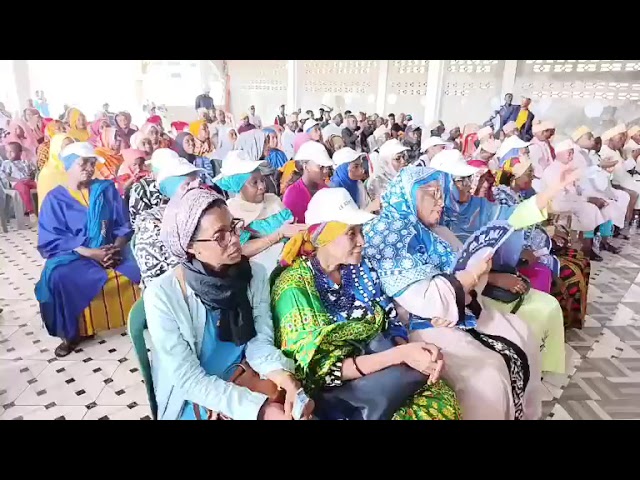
(181, 219)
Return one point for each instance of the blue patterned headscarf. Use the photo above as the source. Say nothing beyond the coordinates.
(465, 218)
(397, 244)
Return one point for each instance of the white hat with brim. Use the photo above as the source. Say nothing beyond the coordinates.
(80, 150)
(612, 132)
(237, 162)
(452, 162)
(309, 124)
(314, 152)
(392, 147)
(346, 155)
(431, 142)
(509, 144)
(335, 205)
(176, 168)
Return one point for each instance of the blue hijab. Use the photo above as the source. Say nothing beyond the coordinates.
(397, 244)
(99, 212)
(465, 218)
(341, 179)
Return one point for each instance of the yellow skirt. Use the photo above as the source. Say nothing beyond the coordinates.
(110, 308)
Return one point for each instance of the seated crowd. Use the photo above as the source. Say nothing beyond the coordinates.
(307, 269)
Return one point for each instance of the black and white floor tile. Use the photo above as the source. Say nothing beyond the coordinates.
(101, 381)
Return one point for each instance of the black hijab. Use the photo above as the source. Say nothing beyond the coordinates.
(180, 149)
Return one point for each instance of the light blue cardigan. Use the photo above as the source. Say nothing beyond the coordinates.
(176, 340)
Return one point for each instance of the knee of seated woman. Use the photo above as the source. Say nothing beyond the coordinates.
(546, 304)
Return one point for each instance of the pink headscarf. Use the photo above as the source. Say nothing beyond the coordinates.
(29, 142)
(94, 130)
(299, 139)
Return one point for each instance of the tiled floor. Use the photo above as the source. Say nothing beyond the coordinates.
(101, 381)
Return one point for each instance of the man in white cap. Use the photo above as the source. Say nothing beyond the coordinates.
(634, 134)
(484, 155)
(316, 169)
(430, 146)
(586, 217)
(540, 148)
(436, 128)
(613, 141)
(614, 204)
(334, 126)
(204, 100)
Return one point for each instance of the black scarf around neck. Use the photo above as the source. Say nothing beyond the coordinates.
(226, 293)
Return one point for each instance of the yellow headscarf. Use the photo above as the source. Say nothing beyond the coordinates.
(53, 172)
(74, 132)
(194, 127)
(305, 243)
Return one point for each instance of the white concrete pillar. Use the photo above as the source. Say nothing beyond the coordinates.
(508, 78)
(294, 84)
(381, 94)
(433, 97)
(21, 85)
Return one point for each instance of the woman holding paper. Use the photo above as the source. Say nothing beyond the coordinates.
(492, 360)
(464, 214)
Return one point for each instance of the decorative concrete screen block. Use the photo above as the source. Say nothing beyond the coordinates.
(341, 84)
(470, 89)
(406, 87)
(597, 93)
(262, 83)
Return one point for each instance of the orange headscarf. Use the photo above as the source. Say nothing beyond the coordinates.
(113, 160)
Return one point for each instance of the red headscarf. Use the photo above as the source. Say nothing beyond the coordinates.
(179, 126)
(156, 120)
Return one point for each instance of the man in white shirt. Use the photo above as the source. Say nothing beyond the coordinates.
(539, 150)
(254, 119)
(334, 127)
(585, 216)
(289, 135)
(614, 204)
(613, 141)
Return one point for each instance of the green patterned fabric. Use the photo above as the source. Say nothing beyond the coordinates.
(309, 335)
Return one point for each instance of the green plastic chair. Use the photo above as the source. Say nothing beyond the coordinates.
(136, 327)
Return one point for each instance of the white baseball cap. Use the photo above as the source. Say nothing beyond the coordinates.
(161, 156)
(177, 168)
(509, 144)
(309, 124)
(431, 142)
(392, 147)
(335, 205)
(80, 150)
(452, 161)
(346, 155)
(314, 152)
(237, 162)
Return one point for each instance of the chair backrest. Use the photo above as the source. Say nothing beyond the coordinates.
(136, 326)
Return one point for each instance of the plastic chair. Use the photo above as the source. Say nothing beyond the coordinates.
(136, 326)
(11, 205)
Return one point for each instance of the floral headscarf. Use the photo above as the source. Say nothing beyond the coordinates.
(397, 244)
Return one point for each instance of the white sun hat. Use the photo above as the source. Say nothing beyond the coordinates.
(346, 155)
(80, 150)
(452, 161)
(314, 152)
(509, 144)
(237, 162)
(431, 142)
(176, 168)
(335, 205)
(309, 124)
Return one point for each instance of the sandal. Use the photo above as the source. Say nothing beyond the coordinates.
(65, 348)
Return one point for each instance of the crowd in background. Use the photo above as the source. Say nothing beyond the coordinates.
(306, 267)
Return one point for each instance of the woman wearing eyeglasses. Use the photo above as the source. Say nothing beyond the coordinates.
(208, 316)
(464, 214)
(391, 159)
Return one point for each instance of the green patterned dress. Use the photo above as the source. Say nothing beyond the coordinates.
(318, 344)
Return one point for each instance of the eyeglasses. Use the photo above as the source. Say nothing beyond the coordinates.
(223, 236)
(463, 180)
(401, 157)
(436, 193)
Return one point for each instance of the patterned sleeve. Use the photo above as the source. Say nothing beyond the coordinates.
(395, 327)
(150, 254)
(307, 334)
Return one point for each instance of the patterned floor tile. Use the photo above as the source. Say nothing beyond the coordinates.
(101, 379)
